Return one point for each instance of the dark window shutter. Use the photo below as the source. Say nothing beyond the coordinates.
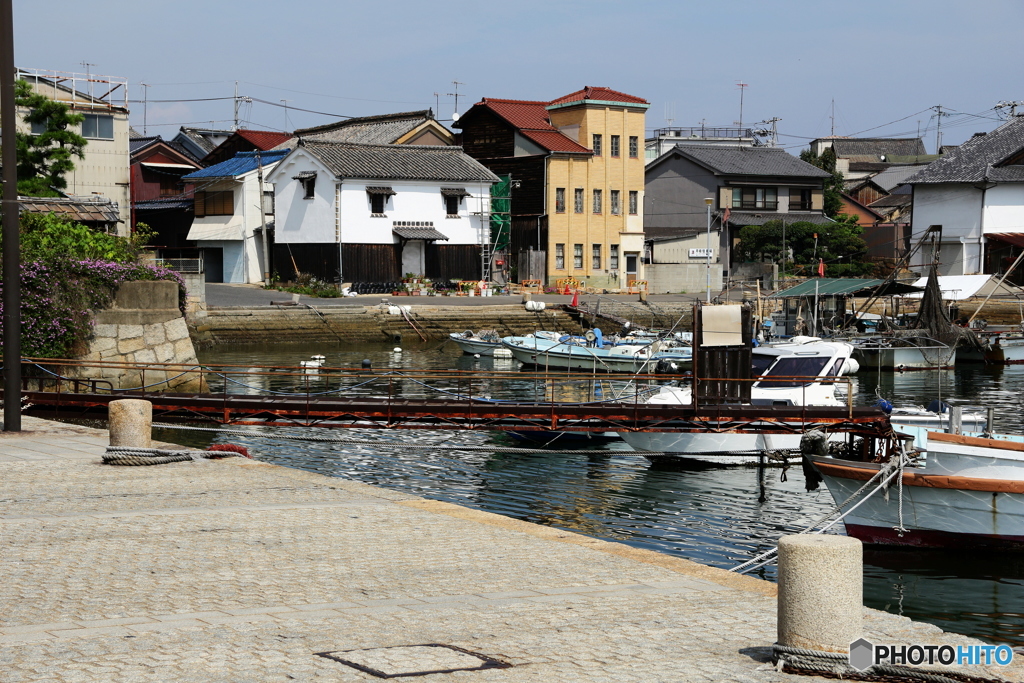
(200, 204)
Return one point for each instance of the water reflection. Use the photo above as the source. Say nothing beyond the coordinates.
(709, 515)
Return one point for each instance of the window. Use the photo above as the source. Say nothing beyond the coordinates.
(219, 203)
(597, 144)
(451, 205)
(755, 198)
(559, 257)
(578, 201)
(634, 200)
(39, 127)
(615, 146)
(378, 202)
(98, 126)
(577, 256)
(308, 187)
(634, 147)
(597, 201)
(799, 199)
(616, 207)
(559, 200)
(596, 252)
(613, 256)
(169, 187)
(268, 202)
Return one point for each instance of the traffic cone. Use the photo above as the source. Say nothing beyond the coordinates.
(575, 299)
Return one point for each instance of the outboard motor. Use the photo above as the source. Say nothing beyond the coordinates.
(937, 406)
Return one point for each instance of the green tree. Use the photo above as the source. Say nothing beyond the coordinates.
(838, 244)
(832, 194)
(44, 159)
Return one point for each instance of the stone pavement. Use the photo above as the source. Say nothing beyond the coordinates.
(236, 570)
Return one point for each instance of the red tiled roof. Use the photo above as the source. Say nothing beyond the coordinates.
(263, 139)
(599, 93)
(531, 119)
(554, 141)
(521, 113)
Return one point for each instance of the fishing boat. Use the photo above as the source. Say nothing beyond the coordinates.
(795, 374)
(1001, 348)
(967, 492)
(904, 353)
(484, 342)
(596, 353)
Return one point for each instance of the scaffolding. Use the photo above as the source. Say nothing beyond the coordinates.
(79, 90)
(499, 219)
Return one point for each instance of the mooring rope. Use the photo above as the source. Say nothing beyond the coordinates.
(129, 455)
(838, 664)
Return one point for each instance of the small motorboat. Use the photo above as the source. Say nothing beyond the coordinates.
(313, 362)
(595, 352)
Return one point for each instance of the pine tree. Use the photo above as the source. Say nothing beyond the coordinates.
(44, 159)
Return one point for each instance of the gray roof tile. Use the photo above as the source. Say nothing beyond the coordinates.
(761, 161)
(978, 158)
(370, 130)
(398, 162)
(876, 147)
(744, 218)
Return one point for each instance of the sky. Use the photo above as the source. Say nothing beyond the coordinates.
(885, 65)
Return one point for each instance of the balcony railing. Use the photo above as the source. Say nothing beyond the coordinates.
(761, 205)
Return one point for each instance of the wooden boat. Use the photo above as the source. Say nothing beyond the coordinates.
(1001, 349)
(968, 492)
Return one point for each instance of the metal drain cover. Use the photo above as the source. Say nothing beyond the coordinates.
(414, 660)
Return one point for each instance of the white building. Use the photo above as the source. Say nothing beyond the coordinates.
(104, 171)
(373, 213)
(976, 194)
(229, 215)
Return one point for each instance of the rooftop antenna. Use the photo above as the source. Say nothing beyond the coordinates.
(833, 117)
(742, 86)
(702, 122)
(455, 116)
(437, 102)
(285, 102)
(670, 113)
(145, 105)
(88, 76)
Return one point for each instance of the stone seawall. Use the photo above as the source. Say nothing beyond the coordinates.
(143, 326)
(370, 323)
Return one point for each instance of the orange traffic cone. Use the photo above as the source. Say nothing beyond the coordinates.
(575, 299)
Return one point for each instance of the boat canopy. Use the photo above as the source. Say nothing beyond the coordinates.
(840, 286)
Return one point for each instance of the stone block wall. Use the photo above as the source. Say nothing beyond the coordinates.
(142, 328)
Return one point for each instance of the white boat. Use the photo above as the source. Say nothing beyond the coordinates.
(903, 353)
(484, 343)
(1001, 349)
(592, 353)
(969, 492)
(794, 374)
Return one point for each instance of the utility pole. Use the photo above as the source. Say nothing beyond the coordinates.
(938, 129)
(709, 201)
(263, 219)
(145, 105)
(11, 236)
(833, 117)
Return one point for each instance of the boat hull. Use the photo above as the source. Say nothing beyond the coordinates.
(475, 347)
(964, 497)
(713, 448)
(905, 358)
(1003, 351)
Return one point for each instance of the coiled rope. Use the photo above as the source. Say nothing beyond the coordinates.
(128, 455)
(838, 664)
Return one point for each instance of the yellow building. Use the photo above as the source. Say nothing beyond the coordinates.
(579, 168)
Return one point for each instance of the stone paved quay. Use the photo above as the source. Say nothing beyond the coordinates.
(237, 570)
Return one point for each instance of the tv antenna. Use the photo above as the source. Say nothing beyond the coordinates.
(455, 116)
(742, 86)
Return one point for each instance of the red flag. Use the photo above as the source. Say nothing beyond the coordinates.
(821, 268)
(725, 216)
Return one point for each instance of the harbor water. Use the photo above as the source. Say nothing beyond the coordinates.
(712, 516)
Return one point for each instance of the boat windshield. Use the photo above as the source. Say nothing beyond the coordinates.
(795, 366)
(761, 362)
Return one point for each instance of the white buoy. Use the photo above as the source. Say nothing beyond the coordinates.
(397, 349)
(502, 352)
(476, 355)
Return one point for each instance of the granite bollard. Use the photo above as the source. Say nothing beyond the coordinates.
(821, 592)
(130, 423)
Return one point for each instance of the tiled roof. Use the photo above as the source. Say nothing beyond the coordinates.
(81, 210)
(398, 162)
(372, 130)
(598, 93)
(418, 232)
(201, 141)
(163, 204)
(756, 161)
(978, 159)
(141, 142)
(263, 139)
(243, 162)
(744, 218)
(531, 120)
(876, 147)
(896, 175)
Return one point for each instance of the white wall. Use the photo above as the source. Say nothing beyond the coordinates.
(300, 220)
(957, 208)
(1004, 208)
